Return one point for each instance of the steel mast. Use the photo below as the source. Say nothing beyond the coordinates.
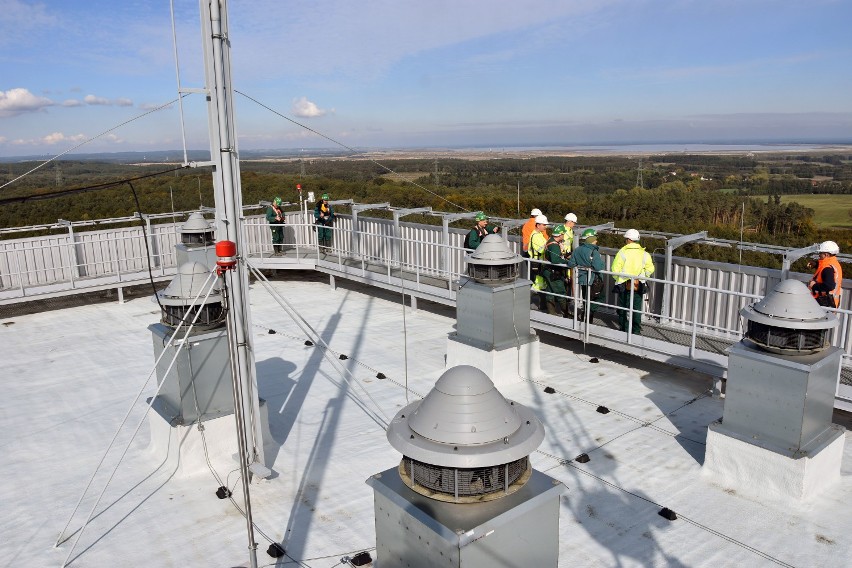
(229, 221)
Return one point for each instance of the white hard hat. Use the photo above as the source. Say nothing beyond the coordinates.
(830, 247)
(571, 217)
(631, 234)
(541, 219)
(535, 212)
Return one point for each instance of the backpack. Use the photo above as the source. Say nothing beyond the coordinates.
(467, 240)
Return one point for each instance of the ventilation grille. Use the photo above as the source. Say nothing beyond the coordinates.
(459, 482)
(787, 341)
(212, 315)
(488, 273)
(197, 239)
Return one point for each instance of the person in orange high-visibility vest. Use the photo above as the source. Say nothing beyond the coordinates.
(527, 231)
(828, 278)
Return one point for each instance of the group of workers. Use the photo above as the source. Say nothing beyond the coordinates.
(323, 218)
(552, 279)
(631, 265)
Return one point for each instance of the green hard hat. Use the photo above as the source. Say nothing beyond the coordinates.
(589, 233)
(481, 216)
(558, 230)
(276, 201)
(325, 196)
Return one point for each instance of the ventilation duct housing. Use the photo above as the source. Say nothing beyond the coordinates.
(197, 386)
(464, 493)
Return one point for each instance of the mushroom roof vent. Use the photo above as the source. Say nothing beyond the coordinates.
(465, 422)
(492, 261)
(179, 303)
(196, 223)
(789, 321)
(197, 231)
(189, 284)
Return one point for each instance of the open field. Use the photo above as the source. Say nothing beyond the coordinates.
(829, 210)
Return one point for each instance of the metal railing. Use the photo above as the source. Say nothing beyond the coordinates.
(703, 299)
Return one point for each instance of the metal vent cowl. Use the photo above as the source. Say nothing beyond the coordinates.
(464, 422)
(788, 321)
(190, 283)
(197, 230)
(492, 261)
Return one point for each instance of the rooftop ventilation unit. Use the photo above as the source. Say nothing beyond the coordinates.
(493, 316)
(788, 321)
(492, 262)
(776, 434)
(464, 493)
(198, 386)
(179, 304)
(197, 241)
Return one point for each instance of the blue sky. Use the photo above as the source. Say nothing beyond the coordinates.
(401, 73)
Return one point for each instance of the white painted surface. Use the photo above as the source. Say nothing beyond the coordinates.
(68, 377)
(762, 473)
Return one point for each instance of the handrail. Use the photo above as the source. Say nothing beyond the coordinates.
(38, 267)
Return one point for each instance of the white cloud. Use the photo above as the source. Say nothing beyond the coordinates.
(57, 137)
(19, 101)
(304, 108)
(103, 101)
(72, 103)
(152, 106)
(93, 100)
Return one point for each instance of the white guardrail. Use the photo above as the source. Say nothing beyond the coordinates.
(703, 298)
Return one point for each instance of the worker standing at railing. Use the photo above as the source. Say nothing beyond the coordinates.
(324, 217)
(527, 231)
(586, 257)
(635, 262)
(275, 218)
(828, 278)
(554, 274)
(480, 230)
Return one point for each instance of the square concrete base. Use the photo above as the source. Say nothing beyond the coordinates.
(505, 366)
(186, 450)
(761, 471)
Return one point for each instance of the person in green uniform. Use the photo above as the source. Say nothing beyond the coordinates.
(479, 231)
(275, 218)
(324, 217)
(554, 274)
(587, 256)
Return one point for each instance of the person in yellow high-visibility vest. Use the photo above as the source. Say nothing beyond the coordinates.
(635, 262)
(536, 248)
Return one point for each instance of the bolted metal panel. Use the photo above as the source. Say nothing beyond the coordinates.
(198, 387)
(781, 400)
(417, 532)
(493, 316)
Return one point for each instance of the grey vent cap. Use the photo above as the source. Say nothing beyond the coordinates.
(189, 283)
(196, 223)
(493, 251)
(790, 305)
(465, 422)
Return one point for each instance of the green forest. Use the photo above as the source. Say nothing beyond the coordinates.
(728, 196)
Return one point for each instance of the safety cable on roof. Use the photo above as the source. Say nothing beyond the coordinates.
(148, 407)
(312, 334)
